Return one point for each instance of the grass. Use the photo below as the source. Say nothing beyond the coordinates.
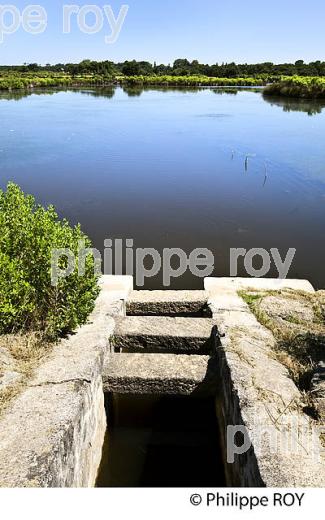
(27, 351)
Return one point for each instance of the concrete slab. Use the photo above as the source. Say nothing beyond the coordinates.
(122, 284)
(166, 303)
(160, 374)
(214, 285)
(155, 334)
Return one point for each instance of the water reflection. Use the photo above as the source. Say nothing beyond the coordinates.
(103, 92)
(17, 95)
(311, 107)
(133, 91)
(137, 90)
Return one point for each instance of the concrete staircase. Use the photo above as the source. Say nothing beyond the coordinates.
(164, 345)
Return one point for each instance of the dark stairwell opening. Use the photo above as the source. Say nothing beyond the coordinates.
(161, 441)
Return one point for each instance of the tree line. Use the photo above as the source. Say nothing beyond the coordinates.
(180, 67)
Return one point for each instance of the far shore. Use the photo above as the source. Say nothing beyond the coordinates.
(297, 87)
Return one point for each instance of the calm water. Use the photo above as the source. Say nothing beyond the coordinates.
(167, 168)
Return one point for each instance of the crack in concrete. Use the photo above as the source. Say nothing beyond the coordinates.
(64, 381)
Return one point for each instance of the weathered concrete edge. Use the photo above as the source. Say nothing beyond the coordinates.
(216, 285)
(167, 303)
(246, 393)
(52, 434)
(160, 374)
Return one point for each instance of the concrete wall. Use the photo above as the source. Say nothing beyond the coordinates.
(244, 471)
(257, 393)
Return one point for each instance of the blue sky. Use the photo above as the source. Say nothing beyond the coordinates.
(162, 30)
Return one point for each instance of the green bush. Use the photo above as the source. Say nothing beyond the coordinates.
(187, 81)
(19, 81)
(298, 87)
(28, 300)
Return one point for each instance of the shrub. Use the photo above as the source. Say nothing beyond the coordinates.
(187, 81)
(28, 301)
(298, 87)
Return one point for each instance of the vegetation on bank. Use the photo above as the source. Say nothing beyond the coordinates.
(27, 81)
(291, 77)
(189, 81)
(293, 87)
(180, 67)
(28, 300)
(297, 87)
(16, 81)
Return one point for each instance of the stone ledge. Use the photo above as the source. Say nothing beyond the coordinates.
(160, 374)
(156, 334)
(257, 393)
(116, 284)
(166, 303)
(223, 285)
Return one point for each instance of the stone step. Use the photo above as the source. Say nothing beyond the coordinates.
(166, 374)
(156, 334)
(168, 303)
